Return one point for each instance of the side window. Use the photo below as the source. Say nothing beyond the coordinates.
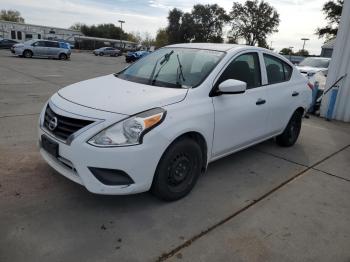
(277, 70)
(245, 68)
(42, 43)
(288, 70)
(52, 44)
(35, 44)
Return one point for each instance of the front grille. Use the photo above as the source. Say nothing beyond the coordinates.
(65, 125)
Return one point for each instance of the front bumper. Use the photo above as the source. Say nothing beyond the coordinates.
(18, 51)
(75, 160)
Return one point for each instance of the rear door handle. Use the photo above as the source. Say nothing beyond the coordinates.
(295, 93)
(260, 101)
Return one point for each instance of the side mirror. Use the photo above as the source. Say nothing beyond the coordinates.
(232, 86)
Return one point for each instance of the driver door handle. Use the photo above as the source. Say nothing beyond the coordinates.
(295, 93)
(260, 101)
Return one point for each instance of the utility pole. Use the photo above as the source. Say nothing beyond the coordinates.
(290, 53)
(121, 33)
(304, 39)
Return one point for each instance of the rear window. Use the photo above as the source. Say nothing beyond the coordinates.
(277, 70)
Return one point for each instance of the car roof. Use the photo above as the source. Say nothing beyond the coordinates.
(216, 46)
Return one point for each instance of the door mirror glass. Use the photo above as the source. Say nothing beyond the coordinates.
(232, 86)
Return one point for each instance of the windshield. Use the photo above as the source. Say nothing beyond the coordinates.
(314, 62)
(173, 67)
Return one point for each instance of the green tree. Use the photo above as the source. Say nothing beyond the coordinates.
(76, 26)
(134, 37)
(203, 24)
(302, 52)
(332, 10)
(254, 21)
(208, 21)
(174, 24)
(147, 40)
(11, 15)
(286, 51)
(187, 28)
(103, 30)
(161, 38)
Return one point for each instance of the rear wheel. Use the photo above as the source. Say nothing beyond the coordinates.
(63, 57)
(27, 54)
(178, 170)
(292, 131)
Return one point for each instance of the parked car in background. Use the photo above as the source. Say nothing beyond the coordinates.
(157, 124)
(311, 65)
(7, 43)
(65, 45)
(41, 48)
(111, 51)
(133, 56)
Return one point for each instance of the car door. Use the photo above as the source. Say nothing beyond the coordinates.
(281, 92)
(53, 48)
(39, 48)
(240, 119)
(109, 51)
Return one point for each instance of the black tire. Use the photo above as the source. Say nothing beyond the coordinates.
(178, 170)
(101, 54)
(62, 57)
(291, 132)
(27, 54)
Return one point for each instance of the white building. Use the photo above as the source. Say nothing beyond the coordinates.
(340, 67)
(22, 32)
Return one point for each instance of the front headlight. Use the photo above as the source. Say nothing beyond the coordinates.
(129, 131)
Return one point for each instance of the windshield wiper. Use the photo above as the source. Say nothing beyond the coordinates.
(162, 63)
(181, 75)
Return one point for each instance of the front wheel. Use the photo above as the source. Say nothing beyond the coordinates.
(63, 57)
(291, 132)
(178, 170)
(27, 54)
(101, 54)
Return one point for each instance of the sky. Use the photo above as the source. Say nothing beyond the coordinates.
(299, 18)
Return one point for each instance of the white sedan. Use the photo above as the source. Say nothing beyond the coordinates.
(157, 124)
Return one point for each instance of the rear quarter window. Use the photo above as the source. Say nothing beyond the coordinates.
(277, 70)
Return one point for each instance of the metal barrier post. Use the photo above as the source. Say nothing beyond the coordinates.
(331, 104)
(314, 97)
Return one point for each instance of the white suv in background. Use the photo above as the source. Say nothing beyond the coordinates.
(42, 48)
(157, 124)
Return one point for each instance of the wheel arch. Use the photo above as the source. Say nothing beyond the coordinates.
(300, 109)
(62, 53)
(25, 50)
(200, 140)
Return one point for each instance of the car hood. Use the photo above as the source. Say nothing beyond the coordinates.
(112, 94)
(310, 69)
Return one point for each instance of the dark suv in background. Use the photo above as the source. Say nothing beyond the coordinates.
(7, 43)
